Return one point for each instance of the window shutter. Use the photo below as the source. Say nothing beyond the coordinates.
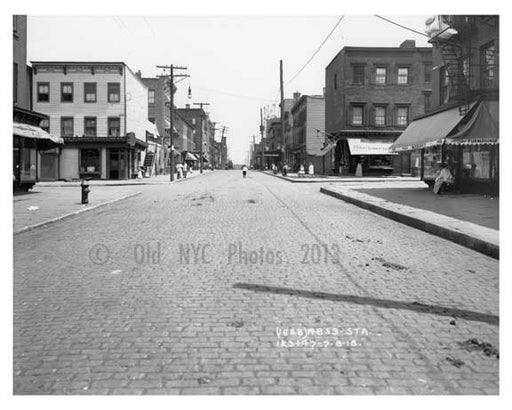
(371, 112)
(349, 116)
(410, 78)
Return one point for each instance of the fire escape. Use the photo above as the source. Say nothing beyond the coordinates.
(455, 53)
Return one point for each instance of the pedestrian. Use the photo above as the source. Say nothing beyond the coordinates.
(444, 178)
(311, 169)
(302, 172)
(140, 173)
(244, 170)
(285, 169)
(185, 169)
(179, 170)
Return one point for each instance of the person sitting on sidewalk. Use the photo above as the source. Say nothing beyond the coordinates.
(444, 178)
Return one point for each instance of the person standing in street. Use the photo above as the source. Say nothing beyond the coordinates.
(311, 169)
(244, 170)
(185, 170)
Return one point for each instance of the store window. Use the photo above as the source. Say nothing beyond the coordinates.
(43, 92)
(66, 127)
(380, 116)
(66, 92)
(90, 161)
(403, 75)
(114, 127)
(90, 92)
(90, 126)
(114, 92)
(381, 75)
(476, 161)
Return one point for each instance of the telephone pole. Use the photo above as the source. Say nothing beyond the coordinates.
(262, 130)
(282, 112)
(172, 67)
(201, 134)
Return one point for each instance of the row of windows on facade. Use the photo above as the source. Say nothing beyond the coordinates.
(380, 75)
(90, 126)
(90, 92)
(379, 116)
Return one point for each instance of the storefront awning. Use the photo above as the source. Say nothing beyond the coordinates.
(482, 128)
(191, 157)
(30, 131)
(366, 146)
(429, 131)
(152, 129)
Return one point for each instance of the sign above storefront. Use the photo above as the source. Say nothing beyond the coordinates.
(364, 146)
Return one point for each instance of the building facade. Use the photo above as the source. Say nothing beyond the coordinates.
(308, 134)
(100, 109)
(202, 128)
(371, 95)
(30, 141)
(462, 129)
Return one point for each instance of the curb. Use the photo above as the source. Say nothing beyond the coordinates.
(477, 244)
(328, 180)
(60, 218)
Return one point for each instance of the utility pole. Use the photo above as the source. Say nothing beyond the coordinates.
(262, 130)
(201, 134)
(172, 67)
(254, 151)
(282, 111)
(223, 147)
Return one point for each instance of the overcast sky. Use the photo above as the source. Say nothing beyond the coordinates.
(233, 61)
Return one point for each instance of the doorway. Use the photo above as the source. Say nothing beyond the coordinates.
(116, 164)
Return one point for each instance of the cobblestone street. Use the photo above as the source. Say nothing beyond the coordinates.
(224, 285)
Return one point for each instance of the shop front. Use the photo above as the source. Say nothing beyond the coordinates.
(467, 142)
(28, 140)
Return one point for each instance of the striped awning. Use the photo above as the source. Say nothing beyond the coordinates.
(31, 131)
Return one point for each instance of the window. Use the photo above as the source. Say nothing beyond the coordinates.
(335, 81)
(403, 75)
(90, 126)
(66, 127)
(489, 64)
(151, 96)
(380, 75)
(90, 92)
(43, 92)
(66, 92)
(114, 92)
(45, 125)
(90, 160)
(427, 71)
(380, 116)
(444, 85)
(426, 101)
(114, 127)
(15, 82)
(357, 115)
(402, 116)
(358, 74)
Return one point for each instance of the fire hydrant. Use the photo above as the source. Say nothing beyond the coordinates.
(85, 192)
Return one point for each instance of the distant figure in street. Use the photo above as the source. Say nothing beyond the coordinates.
(274, 169)
(244, 171)
(302, 172)
(179, 170)
(311, 169)
(285, 169)
(140, 173)
(443, 178)
(185, 170)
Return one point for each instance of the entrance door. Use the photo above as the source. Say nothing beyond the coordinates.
(113, 164)
(49, 166)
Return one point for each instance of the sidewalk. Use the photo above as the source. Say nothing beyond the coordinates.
(469, 220)
(44, 205)
(154, 180)
(294, 177)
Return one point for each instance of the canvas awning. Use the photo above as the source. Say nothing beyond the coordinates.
(31, 131)
(430, 130)
(366, 146)
(152, 129)
(482, 128)
(190, 157)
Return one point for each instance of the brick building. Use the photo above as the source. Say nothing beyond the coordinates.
(32, 146)
(201, 133)
(100, 109)
(462, 130)
(371, 94)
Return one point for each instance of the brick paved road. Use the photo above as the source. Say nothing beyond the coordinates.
(157, 324)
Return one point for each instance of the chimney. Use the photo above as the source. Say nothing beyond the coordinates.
(138, 74)
(296, 96)
(187, 106)
(408, 44)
